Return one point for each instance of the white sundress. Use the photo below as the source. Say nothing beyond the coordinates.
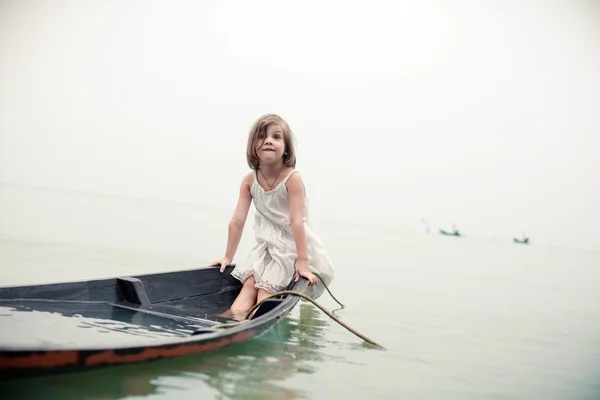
(272, 259)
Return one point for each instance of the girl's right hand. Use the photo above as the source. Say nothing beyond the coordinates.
(222, 263)
(302, 270)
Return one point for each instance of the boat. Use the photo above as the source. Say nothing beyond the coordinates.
(162, 315)
(524, 240)
(453, 233)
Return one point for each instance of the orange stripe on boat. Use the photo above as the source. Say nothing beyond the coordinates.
(111, 357)
(44, 360)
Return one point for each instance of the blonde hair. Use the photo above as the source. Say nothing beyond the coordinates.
(258, 133)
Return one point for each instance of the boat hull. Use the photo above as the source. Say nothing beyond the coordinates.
(197, 303)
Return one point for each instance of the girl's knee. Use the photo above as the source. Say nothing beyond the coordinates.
(250, 281)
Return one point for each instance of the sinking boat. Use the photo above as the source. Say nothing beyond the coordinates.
(72, 326)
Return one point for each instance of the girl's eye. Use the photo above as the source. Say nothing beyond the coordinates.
(277, 136)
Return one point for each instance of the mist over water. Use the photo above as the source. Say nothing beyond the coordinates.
(123, 128)
(479, 115)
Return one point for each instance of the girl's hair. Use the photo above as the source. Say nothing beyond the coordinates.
(258, 132)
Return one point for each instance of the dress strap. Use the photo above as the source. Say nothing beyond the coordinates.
(284, 181)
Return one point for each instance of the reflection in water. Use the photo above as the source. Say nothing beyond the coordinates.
(35, 325)
(250, 370)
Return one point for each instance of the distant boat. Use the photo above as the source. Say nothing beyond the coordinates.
(455, 233)
(525, 240)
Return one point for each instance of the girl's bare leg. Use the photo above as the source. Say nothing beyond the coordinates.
(262, 294)
(247, 297)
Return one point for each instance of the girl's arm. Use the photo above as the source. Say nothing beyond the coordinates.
(295, 188)
(237, 222)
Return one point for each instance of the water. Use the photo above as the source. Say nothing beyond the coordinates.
(28, 325)
(461, 318)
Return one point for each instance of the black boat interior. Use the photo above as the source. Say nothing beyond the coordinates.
(180, 303)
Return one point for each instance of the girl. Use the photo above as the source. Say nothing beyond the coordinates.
(286, 245)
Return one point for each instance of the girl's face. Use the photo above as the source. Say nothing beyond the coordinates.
(270, 145)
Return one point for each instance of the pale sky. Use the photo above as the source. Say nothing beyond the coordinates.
(483, 114)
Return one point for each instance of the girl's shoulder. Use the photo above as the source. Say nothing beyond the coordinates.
(249, 177)
(293, 175)
(248, 180)
(294, 181)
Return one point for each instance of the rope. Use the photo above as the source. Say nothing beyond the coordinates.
(307, 298)
(329, 291)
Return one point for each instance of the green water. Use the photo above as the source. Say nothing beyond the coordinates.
(461, 318)
(256, 369)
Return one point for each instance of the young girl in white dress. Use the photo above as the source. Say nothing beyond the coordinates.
(286, 245)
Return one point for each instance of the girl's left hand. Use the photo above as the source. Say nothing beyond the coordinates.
(302, 270)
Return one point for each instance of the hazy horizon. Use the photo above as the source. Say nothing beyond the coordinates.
(487, 116)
